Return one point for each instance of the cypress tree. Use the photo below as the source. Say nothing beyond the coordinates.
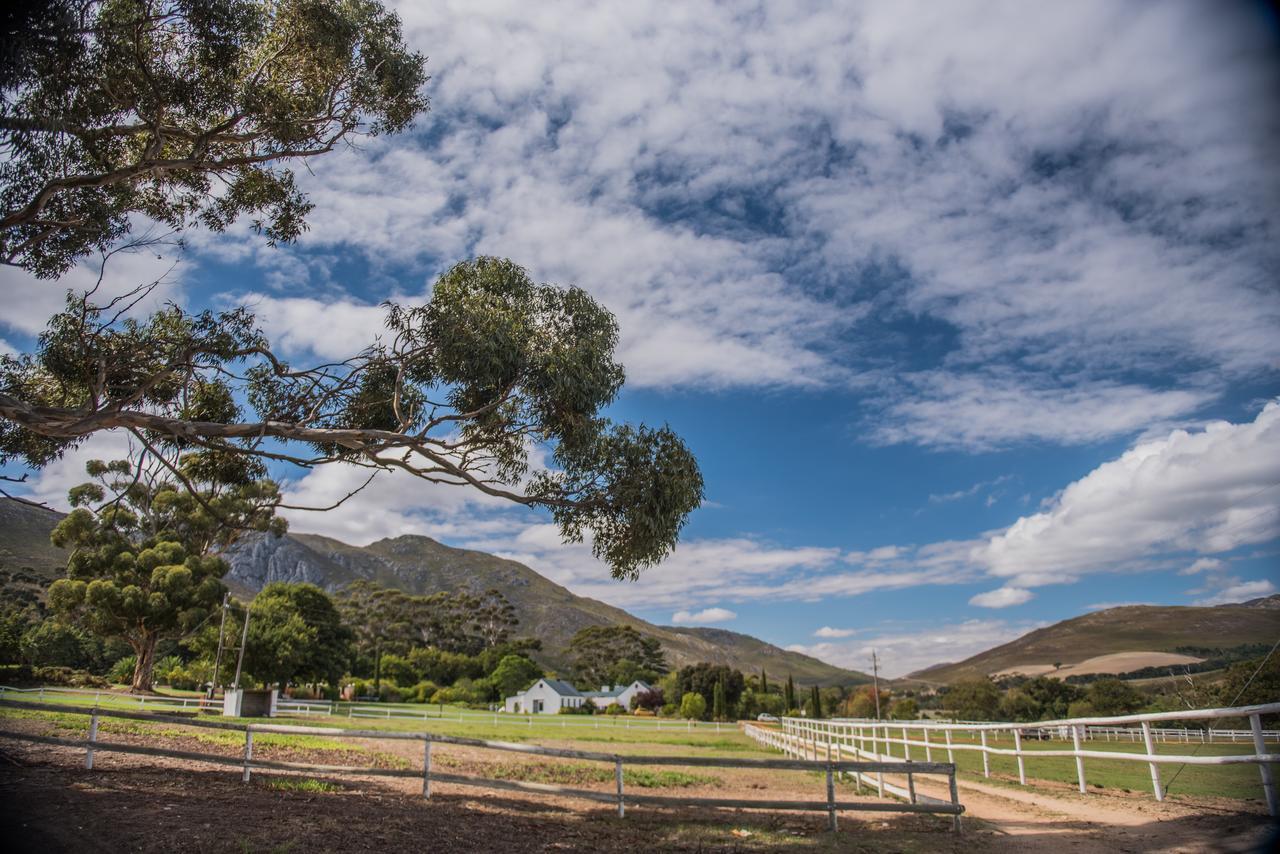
(815, 703)
(717, 701)
(789, 695)
(764, 682)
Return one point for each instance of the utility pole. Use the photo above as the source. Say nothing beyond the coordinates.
(244, 638)
(875, 675)
(217, 661)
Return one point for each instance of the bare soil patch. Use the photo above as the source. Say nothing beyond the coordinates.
(49, 802)
(1116, 662)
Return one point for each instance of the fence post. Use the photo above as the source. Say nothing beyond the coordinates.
(426, 768)
(1155, 766)
(1017, 748)
(906, 745)
(93, 737)
(951, 754)
(911, 784)
(986, 758)
(831, 795)
(617, 775)
(955, 800)
(248, 752)
(1260, 748)
(1075, 740)
(928, 748)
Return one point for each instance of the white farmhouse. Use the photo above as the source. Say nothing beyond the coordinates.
(545, 697)
(620, 694)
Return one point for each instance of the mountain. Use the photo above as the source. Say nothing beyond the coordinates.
(1130, 637)
(421, 565)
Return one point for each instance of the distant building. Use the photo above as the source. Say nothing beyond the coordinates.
(549, 696)
(545, 697)
(620, 694)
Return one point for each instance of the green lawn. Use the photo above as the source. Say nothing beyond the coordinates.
(1233, 781)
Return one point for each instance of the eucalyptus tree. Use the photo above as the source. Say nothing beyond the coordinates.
(144, 562)
(184, 111)
(464, 391)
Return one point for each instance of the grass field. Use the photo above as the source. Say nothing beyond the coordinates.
(1232, 781)
(610, 734)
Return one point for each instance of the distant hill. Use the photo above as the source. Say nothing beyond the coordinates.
(1153, 630)
(421, 565)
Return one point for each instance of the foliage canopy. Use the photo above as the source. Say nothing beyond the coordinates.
(143, 565)
(185, 111)
(463, 392)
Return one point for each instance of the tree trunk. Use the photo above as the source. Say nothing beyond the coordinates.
(142, 670)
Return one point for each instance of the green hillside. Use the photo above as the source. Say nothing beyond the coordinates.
(421, 565)
(1133, 628)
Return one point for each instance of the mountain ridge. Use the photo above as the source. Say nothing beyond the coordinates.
(419, 564)
(1127, 628)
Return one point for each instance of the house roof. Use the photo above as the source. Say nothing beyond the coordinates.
(564, 689)
(617, 690)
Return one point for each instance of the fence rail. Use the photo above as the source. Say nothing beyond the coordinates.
(869, 739)
(385, 711)
(248, 763)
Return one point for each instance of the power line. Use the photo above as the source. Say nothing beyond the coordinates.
(1234, 700)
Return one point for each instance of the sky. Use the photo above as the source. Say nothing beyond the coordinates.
(969, 311)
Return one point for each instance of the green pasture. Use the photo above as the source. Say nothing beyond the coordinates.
(1231, 781)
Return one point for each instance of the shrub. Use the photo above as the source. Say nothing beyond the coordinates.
(693, 706)
(615, 709)
(67, 676)
(423, 692)
(122, 671)
(584, 709)
(389, 693)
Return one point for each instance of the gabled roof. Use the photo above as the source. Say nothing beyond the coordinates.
(617, 690)
(564, 689)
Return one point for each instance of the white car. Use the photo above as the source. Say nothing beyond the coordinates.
(767, 718)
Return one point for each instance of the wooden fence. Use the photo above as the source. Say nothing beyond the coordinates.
(868, 739)
(619, 797)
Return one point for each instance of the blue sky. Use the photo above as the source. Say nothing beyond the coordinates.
(969, 310)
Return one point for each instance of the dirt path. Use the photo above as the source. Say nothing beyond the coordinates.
(49, 802)
(1063, 819)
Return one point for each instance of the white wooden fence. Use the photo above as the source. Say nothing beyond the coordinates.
(384, 711)
(868, 739)
(305, 708)
(247, 763)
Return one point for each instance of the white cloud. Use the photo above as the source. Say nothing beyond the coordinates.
(1207, 492)
(829, 632)
(30, 302)
(1235, 590)
(906, 647)
(754, 195)
(50, 484)
(1204, 564)
(707, 615)
(984, 411)
(1002, 597)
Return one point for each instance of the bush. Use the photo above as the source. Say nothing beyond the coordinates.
(423, 692)
(693, 706)
(585, 709)
(68, 676)
(615, 709)
(122, 671)
(389, 693)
